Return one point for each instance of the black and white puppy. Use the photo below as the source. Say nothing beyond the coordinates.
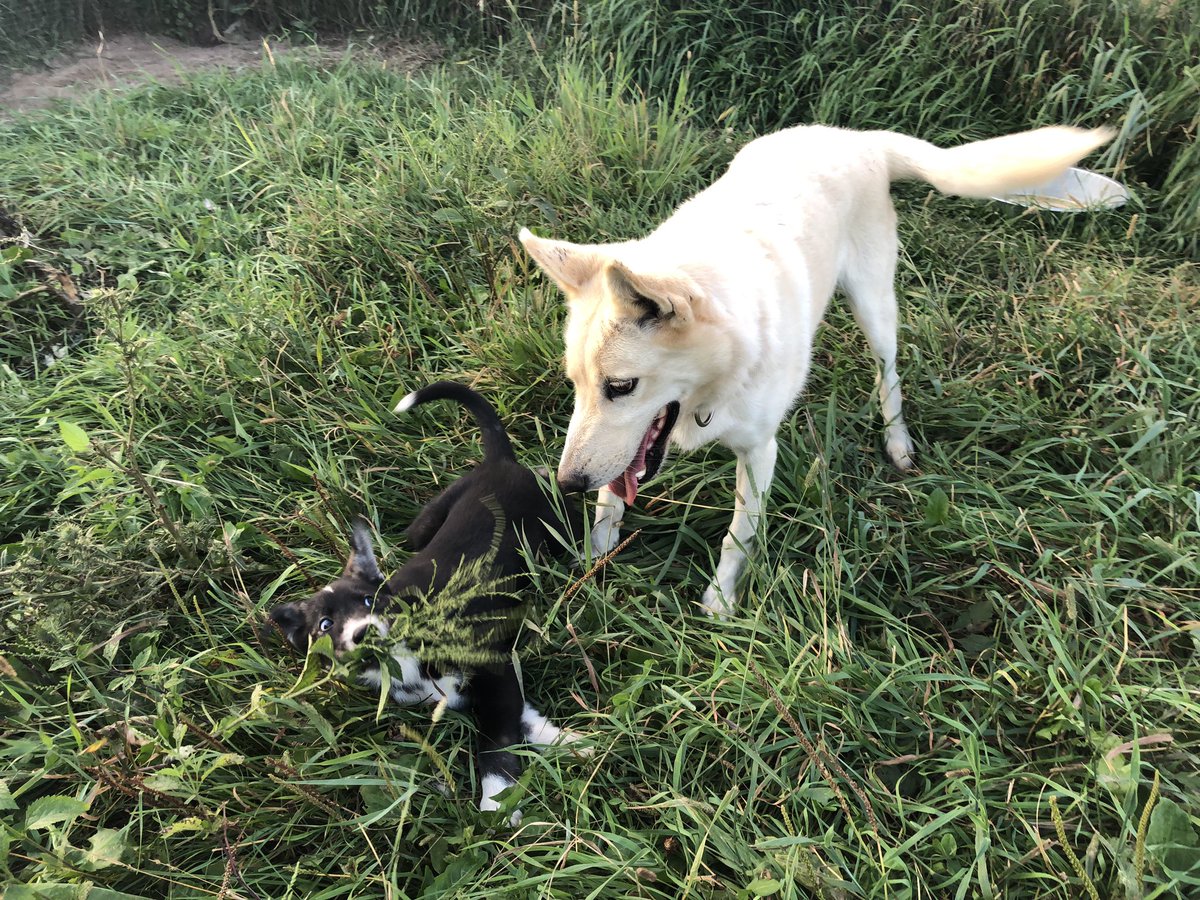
(481, 519)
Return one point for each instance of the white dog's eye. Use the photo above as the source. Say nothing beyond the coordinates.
(325, 624)
(619, 387)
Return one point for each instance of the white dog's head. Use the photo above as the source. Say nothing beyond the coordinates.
(639, 344)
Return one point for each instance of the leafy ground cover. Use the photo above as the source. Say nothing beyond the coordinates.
(976, 680)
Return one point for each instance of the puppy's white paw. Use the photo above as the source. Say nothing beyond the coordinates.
(489, 805)
(538, 730)
(576, 742)
(492, 786)
(717, 603)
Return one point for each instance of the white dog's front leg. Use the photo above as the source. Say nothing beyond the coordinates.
(755, 470)
(606, 532)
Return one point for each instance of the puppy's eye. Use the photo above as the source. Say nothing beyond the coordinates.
(368, 600)
(619, 387)
(325, 624)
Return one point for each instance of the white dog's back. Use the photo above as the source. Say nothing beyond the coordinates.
(811, 178)
(779, 163)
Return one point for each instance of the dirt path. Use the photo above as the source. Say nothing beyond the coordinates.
(126, 60)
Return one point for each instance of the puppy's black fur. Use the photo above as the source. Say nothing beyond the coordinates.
(485, 514)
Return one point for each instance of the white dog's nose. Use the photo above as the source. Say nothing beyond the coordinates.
(572, 482)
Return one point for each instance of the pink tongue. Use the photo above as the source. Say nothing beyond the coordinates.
(625, 485)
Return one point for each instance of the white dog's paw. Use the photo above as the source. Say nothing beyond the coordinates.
(717, 603)
(900, 450)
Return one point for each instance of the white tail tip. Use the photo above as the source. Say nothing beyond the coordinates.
(407, 403)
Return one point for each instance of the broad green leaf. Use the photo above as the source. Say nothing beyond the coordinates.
(937, 507)
(191, 824)
(462, 868)
(6, 797)
(15, 254)
(1171, 838)
(763, 887)
(46, 811)
(73, 436)
(107, 848)
(164, 783)
(46, 890)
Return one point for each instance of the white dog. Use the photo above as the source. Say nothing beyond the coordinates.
(703, 330)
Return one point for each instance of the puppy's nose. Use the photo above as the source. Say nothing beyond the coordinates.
(573, 482)
(360, 635)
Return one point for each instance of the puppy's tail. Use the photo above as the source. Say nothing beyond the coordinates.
(994, 166)
(496, 445)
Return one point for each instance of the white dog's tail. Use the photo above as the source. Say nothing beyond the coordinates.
(994, 166)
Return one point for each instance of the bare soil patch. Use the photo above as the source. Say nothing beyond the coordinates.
(127, 60)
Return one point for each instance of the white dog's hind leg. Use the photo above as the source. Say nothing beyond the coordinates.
(869, 282)
(606, 532)
(898, 444)
(882, 338)
(755, 470)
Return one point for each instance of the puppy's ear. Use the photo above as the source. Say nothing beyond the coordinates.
(290, 620)
(361, 563)
(570, 265)
(658, 297)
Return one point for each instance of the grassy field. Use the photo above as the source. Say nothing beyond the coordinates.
(978, 680)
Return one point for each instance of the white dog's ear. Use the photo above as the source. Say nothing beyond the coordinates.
(570, 265)
(667, 296)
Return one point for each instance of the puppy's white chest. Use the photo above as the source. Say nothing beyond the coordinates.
(428, 692)
(414, 688)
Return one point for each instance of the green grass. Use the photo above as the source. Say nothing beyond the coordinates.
(964, 682)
